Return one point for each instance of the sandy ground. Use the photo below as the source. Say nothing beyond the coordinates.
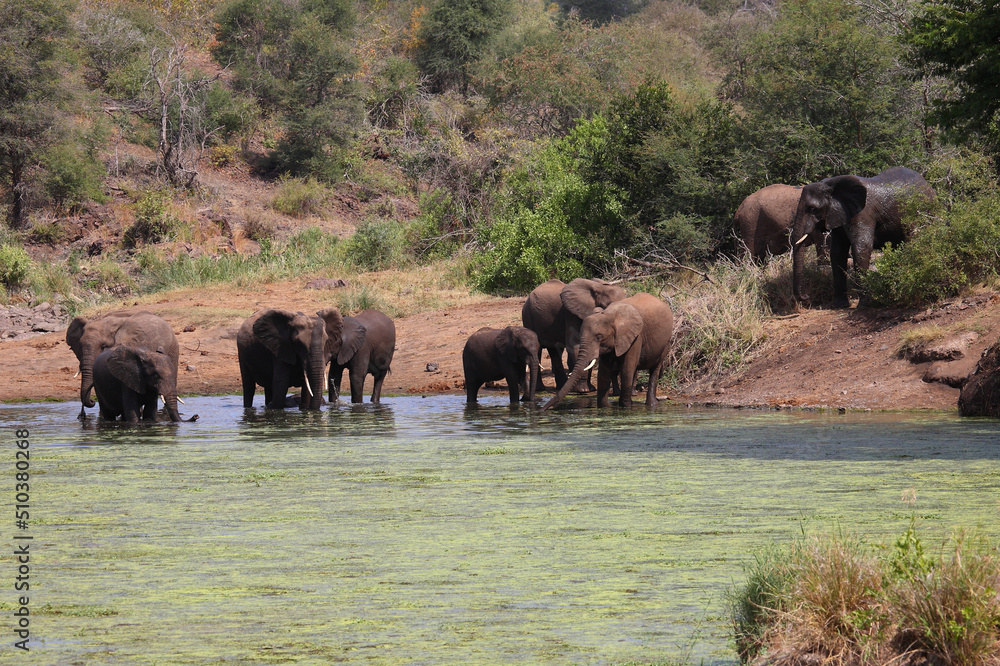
(817, 358)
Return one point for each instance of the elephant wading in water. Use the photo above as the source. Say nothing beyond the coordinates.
(627, 336)
(861, 214)
(278, 349)
(135, 328)
(492, 354)
(128, 381)
(369, 341)
(764, 222)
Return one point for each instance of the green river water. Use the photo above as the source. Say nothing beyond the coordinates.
(424, 532)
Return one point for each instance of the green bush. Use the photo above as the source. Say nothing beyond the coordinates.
(376, 245)
(15, 266)
(951, 252)
(153, 221)
(300, 197)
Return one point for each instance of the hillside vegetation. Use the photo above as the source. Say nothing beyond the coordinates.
(147, 146)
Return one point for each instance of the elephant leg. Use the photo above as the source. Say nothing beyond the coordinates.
(472, 385)
(654, 379)
(604, 372)
(514, 379)
(839, 249)
(249, 385)
(149, 408)
(130, 406)
(336, 379)
(279, 388)
(558, 370)
(377, 387)
(357, 376)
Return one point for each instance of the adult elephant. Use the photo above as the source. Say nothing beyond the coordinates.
(369, 341)
(580, 298)
(128, 381)
(544, 314)
(279, 349)
(764, 222)
(861, 214)
(134, 328)
(627, 336)
(491, 354)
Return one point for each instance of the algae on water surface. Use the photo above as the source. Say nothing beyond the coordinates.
(424, 532)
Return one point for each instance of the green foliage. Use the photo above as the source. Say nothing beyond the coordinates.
(755, 604)
(393, 93)
(437, 232)
(32, 58)
(362, 297)
(957, 39)
(824, 92)
(455, 35)
(15, 266)
(300, 197)
(376, 245)
(948, 253)
(73, 172)
(153, 220)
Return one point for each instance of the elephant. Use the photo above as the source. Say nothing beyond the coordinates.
(861, 214)
(128, 381)
(764, 222)
(136, 328)
(544, 314)
(369, 341)
(492, 354)
(278, 349)
(625, 337)
(554, 311)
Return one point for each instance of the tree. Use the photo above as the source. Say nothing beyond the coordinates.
(957, 39)
(454, 36)
(32, 58)
(824, 91)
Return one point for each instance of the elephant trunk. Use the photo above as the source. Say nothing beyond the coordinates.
(170, 405)
(585, 360)
(529, 394)
(313, 374)
(86, 377)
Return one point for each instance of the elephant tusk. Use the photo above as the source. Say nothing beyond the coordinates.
(77, 374)
(592, 364)
(164, 400)
(802, 240)
(180, 401)
(305, 380)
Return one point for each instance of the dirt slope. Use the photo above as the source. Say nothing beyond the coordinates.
(818, 358)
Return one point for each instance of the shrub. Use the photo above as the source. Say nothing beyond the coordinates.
(362, 297)
(300, 197)
(951, 252)
(15, 266)
(153, 220)
(257, 226)
(376, 245)
(47, 231)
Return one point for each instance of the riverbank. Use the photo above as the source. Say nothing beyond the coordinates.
(813, 359)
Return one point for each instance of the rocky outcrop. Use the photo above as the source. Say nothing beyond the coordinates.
(18, 323)
(981, 392)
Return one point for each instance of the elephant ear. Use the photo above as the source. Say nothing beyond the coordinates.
(578, 298)
(355, 334)
(124, 364)
(334, 323)
(505, 341)
(628, 326)
(273, 329)
(851, 194)
(75, 333)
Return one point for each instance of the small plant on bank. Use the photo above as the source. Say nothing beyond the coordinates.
(362, 297)
(834, 599)
(258, 226)
(300, 197)
(15, 266)
(153, 220)
(376, 245)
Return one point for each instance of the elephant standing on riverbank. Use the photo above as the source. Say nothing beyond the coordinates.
(861, 214)
(134, 328)
(369, 341)
(625, 337)
(764, 222)
(129, 380)
(279, 349)
(491, 354)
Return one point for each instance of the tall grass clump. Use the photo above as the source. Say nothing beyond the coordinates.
(718, 320)
(837, 600)
(300, 197)
(15, 266)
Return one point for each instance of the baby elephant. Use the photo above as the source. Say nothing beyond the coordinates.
(129, 380)
(490, 355)
(369, 343)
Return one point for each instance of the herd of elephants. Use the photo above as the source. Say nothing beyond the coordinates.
(130, 358)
